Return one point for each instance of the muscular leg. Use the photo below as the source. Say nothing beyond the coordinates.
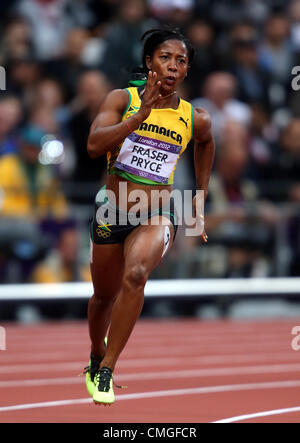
(142, 251)
(107, 272)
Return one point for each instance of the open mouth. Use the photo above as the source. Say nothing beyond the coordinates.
(170, 80)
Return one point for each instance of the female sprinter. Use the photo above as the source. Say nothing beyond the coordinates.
(133, 122)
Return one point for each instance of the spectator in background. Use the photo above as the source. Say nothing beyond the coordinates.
(226, 12)
(263, 133)
(29, 189)
(30, 194)
(219, 100)
(16, 40)
(253, 81)
(275, 52)
(49, 94)
(47, 109)
(10, 117)
(228, 183)
(63, 262)
(277, 57)
(50, 25)
(282, 173)
(201, 34)
(23, 74)
(171, 11)
(180, 14)
(93, 87)
(294, 16)
(69, 66)
(123, 41)
(230, 218)
(51, 112)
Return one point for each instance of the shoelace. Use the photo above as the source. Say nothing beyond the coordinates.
(93, 368)
(103, 377)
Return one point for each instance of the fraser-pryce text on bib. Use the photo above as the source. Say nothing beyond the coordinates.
(147, 157)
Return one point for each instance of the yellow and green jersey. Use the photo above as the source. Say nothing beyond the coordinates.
(149, 155)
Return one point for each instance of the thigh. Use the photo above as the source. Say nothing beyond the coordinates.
(107, 267)
(147, 244)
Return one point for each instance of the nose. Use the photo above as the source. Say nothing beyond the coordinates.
(173, 66)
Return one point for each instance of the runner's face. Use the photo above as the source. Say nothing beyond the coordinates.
(170, 62)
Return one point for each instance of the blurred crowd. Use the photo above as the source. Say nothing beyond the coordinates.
(62, 57)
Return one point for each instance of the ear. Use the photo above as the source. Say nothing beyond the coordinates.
(148, 62)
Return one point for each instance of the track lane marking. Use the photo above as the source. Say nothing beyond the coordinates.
(258, 414)
(163, 393)
(187, 373)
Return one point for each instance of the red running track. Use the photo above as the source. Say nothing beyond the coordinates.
(177, 371)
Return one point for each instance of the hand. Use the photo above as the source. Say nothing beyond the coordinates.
(151, 95)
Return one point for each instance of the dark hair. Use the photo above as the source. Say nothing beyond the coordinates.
(152, 39)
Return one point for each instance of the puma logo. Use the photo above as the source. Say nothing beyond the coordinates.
(182, 120)
(168, 239)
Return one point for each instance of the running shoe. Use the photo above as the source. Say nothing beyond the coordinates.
(91, 370)
(104, 392)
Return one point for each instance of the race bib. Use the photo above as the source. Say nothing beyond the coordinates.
(147, 157)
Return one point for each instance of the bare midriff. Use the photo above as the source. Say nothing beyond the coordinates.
(112, 184)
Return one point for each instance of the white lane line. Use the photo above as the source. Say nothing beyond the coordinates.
(163, 375)
(165, 393)
(258, 414)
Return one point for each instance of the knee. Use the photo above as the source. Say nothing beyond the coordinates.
(102, 301)
(136, 277)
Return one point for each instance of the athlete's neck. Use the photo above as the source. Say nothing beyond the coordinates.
(170, 101)
(163, 103)
(168, 95)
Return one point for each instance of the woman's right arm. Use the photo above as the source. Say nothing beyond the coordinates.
(107, 130)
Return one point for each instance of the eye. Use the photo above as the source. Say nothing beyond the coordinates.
(164, 57)
(182, 61)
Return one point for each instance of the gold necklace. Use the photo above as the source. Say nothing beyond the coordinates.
(169, 95)
(163, 96)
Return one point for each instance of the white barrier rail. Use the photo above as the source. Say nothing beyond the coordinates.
(159, 288)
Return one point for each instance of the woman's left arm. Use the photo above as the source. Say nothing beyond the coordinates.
(204, 149)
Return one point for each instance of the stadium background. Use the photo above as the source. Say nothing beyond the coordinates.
(61, 58)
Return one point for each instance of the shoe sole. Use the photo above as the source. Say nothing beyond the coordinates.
(102, 404)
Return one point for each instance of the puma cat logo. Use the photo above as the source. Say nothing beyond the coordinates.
(168, 239)
(182, 120)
